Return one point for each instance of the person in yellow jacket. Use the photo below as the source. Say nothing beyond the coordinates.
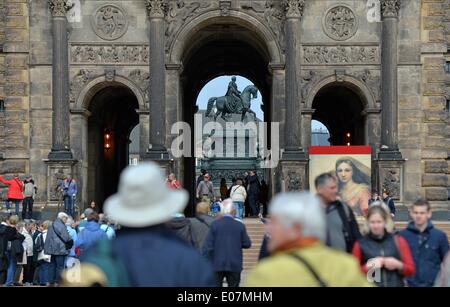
(298, 257)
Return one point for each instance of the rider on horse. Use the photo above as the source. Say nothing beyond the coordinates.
(234, 93)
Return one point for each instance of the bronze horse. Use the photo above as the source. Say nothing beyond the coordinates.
(227, 104)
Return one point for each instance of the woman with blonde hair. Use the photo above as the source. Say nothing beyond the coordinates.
(354, 181)
(383, 256)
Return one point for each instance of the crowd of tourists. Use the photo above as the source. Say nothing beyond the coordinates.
(310, 239)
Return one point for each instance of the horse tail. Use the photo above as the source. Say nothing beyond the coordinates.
(210, 105)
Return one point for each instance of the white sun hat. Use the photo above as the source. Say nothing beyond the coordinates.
(143, 198)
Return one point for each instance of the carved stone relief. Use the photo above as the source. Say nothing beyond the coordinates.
(109, 22)
(372, 81)
(340, 54)
(308, 81)
(179, 12)
(78, 82)
(392, 182)
(141, 79)
(340, 23)
(109, 54)
(271, 12)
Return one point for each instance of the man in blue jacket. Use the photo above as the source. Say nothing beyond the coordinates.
(224, 243)
(90, 234)
(428, 245)
(69, 188)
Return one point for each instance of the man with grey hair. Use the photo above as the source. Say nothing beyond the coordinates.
(299, 258)
(57, 244)
(224, 243)
(342, 227)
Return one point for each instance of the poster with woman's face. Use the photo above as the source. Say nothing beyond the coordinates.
(351, 165)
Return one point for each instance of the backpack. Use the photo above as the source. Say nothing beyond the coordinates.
(29, 189)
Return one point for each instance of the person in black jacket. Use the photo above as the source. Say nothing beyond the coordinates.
(253, 191)
(7, 233)
(342, 227)
(15, 251)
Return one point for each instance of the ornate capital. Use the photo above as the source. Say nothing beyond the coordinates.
(156, 8)
(390, 8)
(59, 8)
(294, 8)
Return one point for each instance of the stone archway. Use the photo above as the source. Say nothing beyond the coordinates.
(351, 94)
(126, 98)
(237, 44)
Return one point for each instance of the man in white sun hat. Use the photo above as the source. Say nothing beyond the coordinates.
(145, 252)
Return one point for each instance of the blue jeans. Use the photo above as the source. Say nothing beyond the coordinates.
(16, 203)
(12, 264)
(239, 205)
(44, 271)
(56, 268)
(68, 204)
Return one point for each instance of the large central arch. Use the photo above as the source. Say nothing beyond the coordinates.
(213, 45)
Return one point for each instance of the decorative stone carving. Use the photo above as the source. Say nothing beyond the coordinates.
(142, 80)
(224, 7)
(74, 14)
(294, 8)
(308, 81)
(109, 22)
(179, 12)
(392, 182)
(110, 74)
(273, 15)
(390, 8)
(372, 82)
(340, 75)
(59, 8)
(156, 8)
(340, 23)
(109, 54)
(78, 82)
(340, 54)
(294, 182)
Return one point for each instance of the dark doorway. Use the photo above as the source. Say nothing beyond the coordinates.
(340, 109)
(113, 117)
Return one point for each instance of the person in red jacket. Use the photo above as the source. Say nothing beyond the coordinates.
(15, 188)
(384, 257)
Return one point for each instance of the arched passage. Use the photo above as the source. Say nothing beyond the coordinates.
(113, 117)
(340, 109)
(218, 47)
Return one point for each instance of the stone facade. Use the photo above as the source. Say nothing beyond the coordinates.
(150, 46)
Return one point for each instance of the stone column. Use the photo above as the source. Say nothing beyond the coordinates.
(390, 161)
(389, 101)
(156, 13)
(60, 83)
(292, 171)
(292, 133)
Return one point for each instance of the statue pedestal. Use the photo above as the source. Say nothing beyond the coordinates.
(56, 171)
(235, 151)
(293, 175)
(390, 176)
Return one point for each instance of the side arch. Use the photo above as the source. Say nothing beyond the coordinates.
(356, 85)
(94, 86)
